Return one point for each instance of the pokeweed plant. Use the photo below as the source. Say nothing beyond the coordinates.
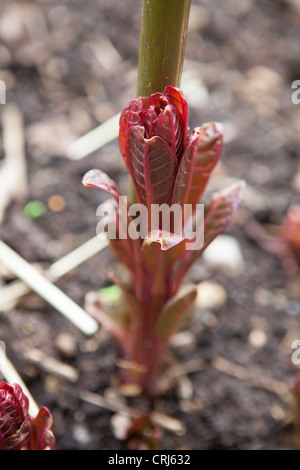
(19, 430)
(168, 167)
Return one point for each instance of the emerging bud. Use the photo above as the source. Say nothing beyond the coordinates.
(164, 161)
(163, 115)
(18, 430)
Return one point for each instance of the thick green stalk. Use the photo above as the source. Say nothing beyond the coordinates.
(162, 45)
(162, 48)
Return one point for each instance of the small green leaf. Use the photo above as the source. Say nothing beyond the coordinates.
(35, 209)
(110, 294)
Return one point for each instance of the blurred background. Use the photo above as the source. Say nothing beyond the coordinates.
(69, 67)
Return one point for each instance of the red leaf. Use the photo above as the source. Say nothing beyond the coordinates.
(126, 249)
(112, 324)
(219, 212)
(176, 97)
(200, 158)
(130, 116)
(169, 127)
(99, 179)
(41, 436)
(153, 166)
(175, 310)
(160, 251)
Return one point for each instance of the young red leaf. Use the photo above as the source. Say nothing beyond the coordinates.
(152, 138)
(153, 166)
(130, 116)
(220, 211)
(41, 436)
(160, 250)
(202, 153)
(175, 96)
(99, 179)
(126, 249)
(175, 311)
(112, 321)
(169, 127)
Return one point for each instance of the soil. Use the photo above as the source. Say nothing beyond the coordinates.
(70, 66)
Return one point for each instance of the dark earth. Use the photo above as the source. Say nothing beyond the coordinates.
(69, 66)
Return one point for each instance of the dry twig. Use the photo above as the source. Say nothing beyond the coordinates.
(161, 419)
(249, 376)
(95, 139)
(51, 365)
(11, 376)
(48, 291)
(10, 294)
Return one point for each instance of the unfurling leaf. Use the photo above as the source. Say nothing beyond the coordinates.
(152, 138)
(202, 153)
(176, 311)
(153, 166)
(125, 248)
(160, 250)
(219, 212)
(99, 179)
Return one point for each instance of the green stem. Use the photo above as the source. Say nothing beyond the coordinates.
(162, 48)
(162, 45)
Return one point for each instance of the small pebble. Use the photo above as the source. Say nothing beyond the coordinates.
(56, 203)
(257, 338)
(279, 300)
(277, 412)
(66, 345)
(120, 425)
(184, 340)
(293, 308)
(224, 254)
(262, 297)
(130, 390)
(81, 434)
(210, 295)
(209, 319)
